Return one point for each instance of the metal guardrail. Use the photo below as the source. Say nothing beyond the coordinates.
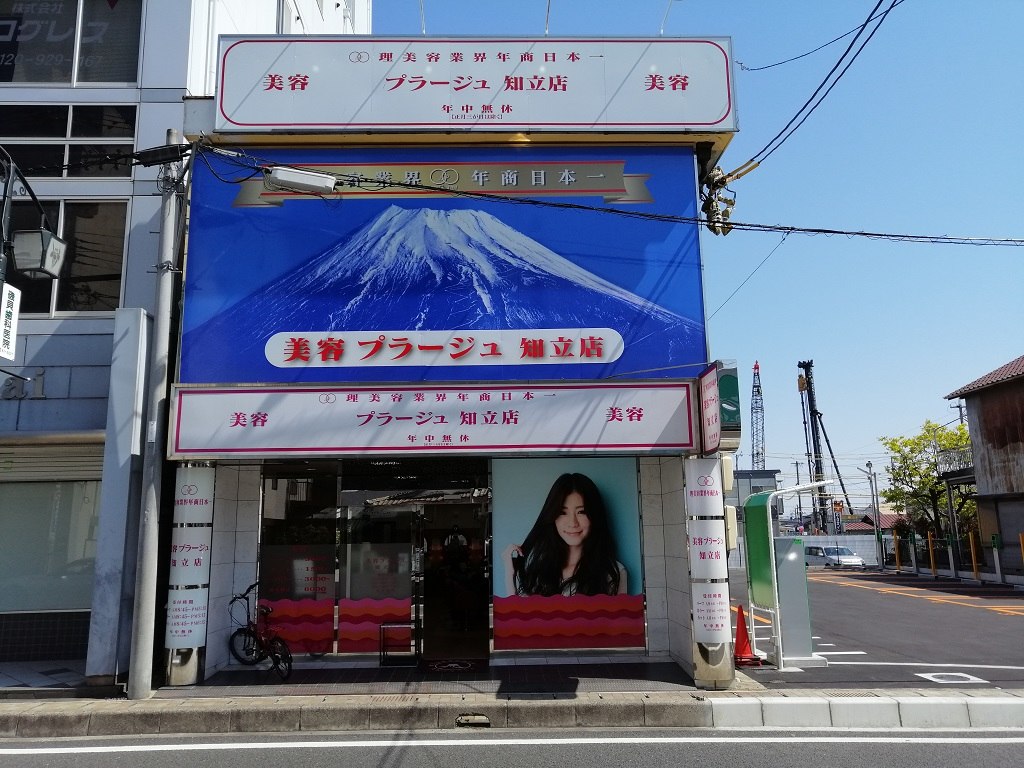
(956, 461)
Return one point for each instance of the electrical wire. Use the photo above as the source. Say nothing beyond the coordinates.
(833, 84)
(788, 129)
(745, 68)
(256, 164)
(747, 278)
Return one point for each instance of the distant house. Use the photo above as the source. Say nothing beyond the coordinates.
(865, 524)
(995, 419)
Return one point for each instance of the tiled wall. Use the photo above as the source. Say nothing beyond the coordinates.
(236, 527)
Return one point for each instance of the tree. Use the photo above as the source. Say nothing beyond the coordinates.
(914, 483)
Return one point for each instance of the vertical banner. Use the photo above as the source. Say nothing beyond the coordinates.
(189, 561)
(710, 412)
(705, 533)
(10, 301)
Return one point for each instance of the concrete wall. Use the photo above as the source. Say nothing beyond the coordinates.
(71, 359)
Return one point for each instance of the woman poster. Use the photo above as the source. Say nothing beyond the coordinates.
(567, 553)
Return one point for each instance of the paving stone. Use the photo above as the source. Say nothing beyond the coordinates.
(796, 711)
(677, 711)
(934, 712)
(402, 713)
(610, 710)
(541, 712)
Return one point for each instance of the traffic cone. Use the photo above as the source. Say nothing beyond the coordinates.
(743, 654)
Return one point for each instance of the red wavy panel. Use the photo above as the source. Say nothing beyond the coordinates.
(561, 622)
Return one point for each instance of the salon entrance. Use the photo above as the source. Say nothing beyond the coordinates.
(352, 550)
(455, 586)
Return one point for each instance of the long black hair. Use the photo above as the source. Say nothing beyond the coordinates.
(545, 553)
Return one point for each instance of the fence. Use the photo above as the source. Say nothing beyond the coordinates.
(927, 556)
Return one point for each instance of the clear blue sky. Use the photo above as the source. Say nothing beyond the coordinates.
(923, 135)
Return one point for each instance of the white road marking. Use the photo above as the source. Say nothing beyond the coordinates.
(845, 738)
(947, 678)
(842, 653)
(922, 664)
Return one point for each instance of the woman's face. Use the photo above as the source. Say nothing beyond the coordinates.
(572, 524)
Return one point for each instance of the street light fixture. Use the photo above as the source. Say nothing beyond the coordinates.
(876, 513)
(39, 253)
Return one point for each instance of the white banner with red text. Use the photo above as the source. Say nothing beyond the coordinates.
(648, 417)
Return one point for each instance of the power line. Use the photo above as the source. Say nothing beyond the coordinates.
(745, 68)
(810, 105)
(255, 165)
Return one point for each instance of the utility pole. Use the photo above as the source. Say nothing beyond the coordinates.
(799, 495)
(140, 671)
(875, 512)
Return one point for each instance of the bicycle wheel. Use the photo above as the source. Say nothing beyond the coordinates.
(245, 647)
(280, 657)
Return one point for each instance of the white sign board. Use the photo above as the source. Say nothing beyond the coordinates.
(193, 496)
(347, 83)
(710, 410)
(10, 301)
(712, 617)
(641, 417)
(186, 618)
(708, 553)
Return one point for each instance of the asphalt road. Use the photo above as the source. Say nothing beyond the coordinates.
(889, 630)
(580, 748)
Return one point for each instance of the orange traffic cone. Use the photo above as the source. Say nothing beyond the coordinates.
(743, 654)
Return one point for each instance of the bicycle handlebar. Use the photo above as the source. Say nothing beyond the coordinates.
(243, 595)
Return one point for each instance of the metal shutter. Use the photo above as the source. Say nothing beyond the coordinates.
(68, 461)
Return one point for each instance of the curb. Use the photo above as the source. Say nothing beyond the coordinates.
(36, 719)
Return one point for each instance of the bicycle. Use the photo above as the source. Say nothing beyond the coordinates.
(253, 642)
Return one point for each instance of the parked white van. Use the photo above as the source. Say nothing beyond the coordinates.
(832, 557)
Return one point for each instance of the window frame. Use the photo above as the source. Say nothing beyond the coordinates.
(69, 140)
(74, 80)
(53, 312)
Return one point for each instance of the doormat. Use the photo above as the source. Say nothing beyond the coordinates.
(454, 665)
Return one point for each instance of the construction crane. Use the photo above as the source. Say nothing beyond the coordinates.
(757, 421)
(814, 430)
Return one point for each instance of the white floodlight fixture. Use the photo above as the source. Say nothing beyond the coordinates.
(298, 180)
(38, 253)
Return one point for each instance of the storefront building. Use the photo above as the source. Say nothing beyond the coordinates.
(442, 325)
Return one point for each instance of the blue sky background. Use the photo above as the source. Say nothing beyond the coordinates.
(922, 135)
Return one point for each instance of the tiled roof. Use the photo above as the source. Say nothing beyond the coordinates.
(1011, 370)
(886, 521)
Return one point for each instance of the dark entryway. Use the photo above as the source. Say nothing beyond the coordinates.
(456, 580)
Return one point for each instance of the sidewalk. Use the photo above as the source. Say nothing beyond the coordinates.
(526, 694)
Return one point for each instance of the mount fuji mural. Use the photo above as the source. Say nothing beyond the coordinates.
(421, 269)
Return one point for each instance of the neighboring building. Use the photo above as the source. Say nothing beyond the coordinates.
(995, 462)
(84, 84)
(747, 482)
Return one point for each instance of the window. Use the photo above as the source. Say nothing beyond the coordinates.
(69, 41)
(48, 554)
(60, 141)
(91, 278)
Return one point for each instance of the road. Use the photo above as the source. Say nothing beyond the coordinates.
(579, 748)
(891, 630)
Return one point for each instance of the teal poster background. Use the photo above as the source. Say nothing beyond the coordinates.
(521, 485)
